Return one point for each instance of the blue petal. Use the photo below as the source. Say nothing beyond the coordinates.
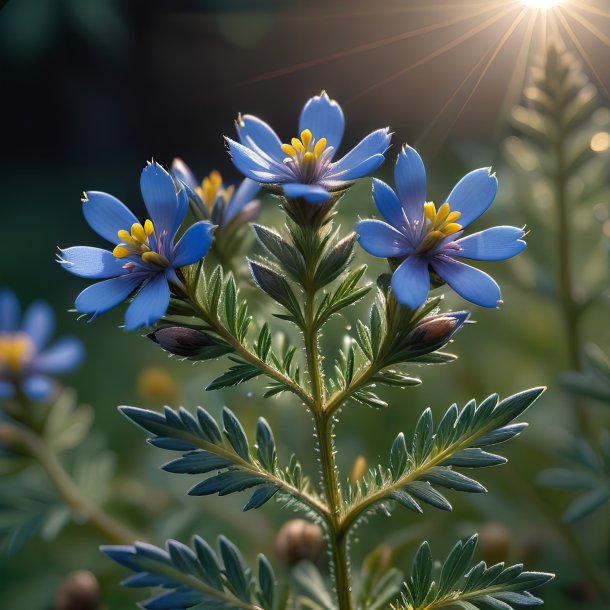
(161, 199)
(181, 171)
(495, 244)
(250, 163)
(149, 304)
(94, 263)
(9, 311)
(194, 244)
(388, 204)
(473, 194)
(359, 171)
(61, 357)
(7, 389)
(471, 284)
(106, 215)
(411, 282)
(183, 205)
(380, 239)
(410, 178)
(105, 295)
(251, 129)
(244, 194)
(37, 387)
(314, 193)
(324, 118)
(39, 323)
(374, 144)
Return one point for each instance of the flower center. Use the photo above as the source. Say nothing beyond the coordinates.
(137, 242)
(438, 224)
(16, 349)
(306, 155)
(212, 188)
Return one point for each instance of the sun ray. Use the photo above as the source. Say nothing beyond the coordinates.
(591, 9)
(490, 55)
(447, 47)
(369, 46)
(588, 26)
(583, 52)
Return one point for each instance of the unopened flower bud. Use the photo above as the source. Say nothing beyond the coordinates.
(181, 341)
(494, 543)
(433, 332)
(297, 540)
(358, 469)
(79, 591)
(155, 383)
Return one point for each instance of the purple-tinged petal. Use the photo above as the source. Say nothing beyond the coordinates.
(374, 144)
(250, 163)
(160, 198)
(39, 323)
(94, 263)
(149, 304)
(244, 194)
(380, 239)
(359, 171)
(410, 178)
(61, 357)
(181, 171)
(9, 311)
(106, 215)
(7, 389)
(471, 284)
(194, 244)
(473, 194)
(101, 297)
(37, 387)
(324, 118)
(388, 204)
(411, 282)
(495, 244)
(313, 193)
(251, 129)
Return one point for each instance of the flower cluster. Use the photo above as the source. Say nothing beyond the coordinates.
(420, 239)
(25, 359)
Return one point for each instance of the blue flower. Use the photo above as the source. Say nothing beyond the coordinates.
(25, 360)
(145, 257)
(305, 168)
(425, 238)
(227, 207)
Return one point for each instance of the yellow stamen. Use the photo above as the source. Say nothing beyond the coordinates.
(308, 158)
(15, 349)
(306, 137)
(125, 236)
(451, 228)
(228, 193)
(297, 144)
(319, 147)
(156, 258)
(442, 213)
(430, 211)
(149, 228)
(137, 232)
(216, 179)
(288, 150)
(453, 216)
(120, 252)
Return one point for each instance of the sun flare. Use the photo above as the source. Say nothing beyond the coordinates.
(541, 4)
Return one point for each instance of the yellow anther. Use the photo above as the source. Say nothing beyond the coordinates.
(137, 232)
(442, 213)
(289, 150)
(228, 193)
(125, 236)
(149, 228)
(430, 211)
(156, 258)
(15, 349)
(216, 178)
(451, 228)
(453, 216)
(319, 147)
(306, 137)
(308, 158)
(297, 145)
(120, 252)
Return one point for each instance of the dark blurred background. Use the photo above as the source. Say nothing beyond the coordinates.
(92, 89)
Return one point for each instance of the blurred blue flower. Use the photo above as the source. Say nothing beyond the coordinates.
(305, 168)
(25, 364)
(145, 257)
(423, 237)
(227, 207)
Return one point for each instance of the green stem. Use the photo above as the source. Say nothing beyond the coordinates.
(111, 529)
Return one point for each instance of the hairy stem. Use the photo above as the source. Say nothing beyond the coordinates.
(111, 529)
